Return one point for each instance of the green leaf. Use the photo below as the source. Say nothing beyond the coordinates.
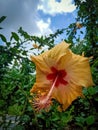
(3, 38)
(81, 32)
(56, 118)
(90, 120)
(8, 44)
(91, 90)
(80, 120)
(2, 19)
(14, 109)
(2, 103)
(1, 28)
(96, 99)
(15, 36)
(18, 127)
(25, 118)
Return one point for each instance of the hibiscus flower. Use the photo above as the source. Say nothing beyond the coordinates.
(60, 75)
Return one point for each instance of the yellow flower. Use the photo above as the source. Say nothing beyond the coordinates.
(60, 75)
(36, 46)
(79, 25)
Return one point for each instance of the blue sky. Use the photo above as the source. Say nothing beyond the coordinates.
(37, 17)
(59, 21)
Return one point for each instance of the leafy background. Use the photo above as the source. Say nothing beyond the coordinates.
(17, 77)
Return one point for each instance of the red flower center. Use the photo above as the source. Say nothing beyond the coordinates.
(59, 74)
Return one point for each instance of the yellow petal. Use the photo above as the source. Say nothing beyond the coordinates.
(50, 57)
(65, 95)
(42, 83)
(77, 68)
(40, 63)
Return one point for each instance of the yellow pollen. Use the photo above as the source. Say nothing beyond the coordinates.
(43, 102)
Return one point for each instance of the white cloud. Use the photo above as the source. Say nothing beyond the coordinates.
(54, 7)
(44, 27)
(22, 13)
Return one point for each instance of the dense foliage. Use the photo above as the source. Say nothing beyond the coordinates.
(17, 75)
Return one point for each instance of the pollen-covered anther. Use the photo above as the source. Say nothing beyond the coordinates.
(41, 102)
(44, 101)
